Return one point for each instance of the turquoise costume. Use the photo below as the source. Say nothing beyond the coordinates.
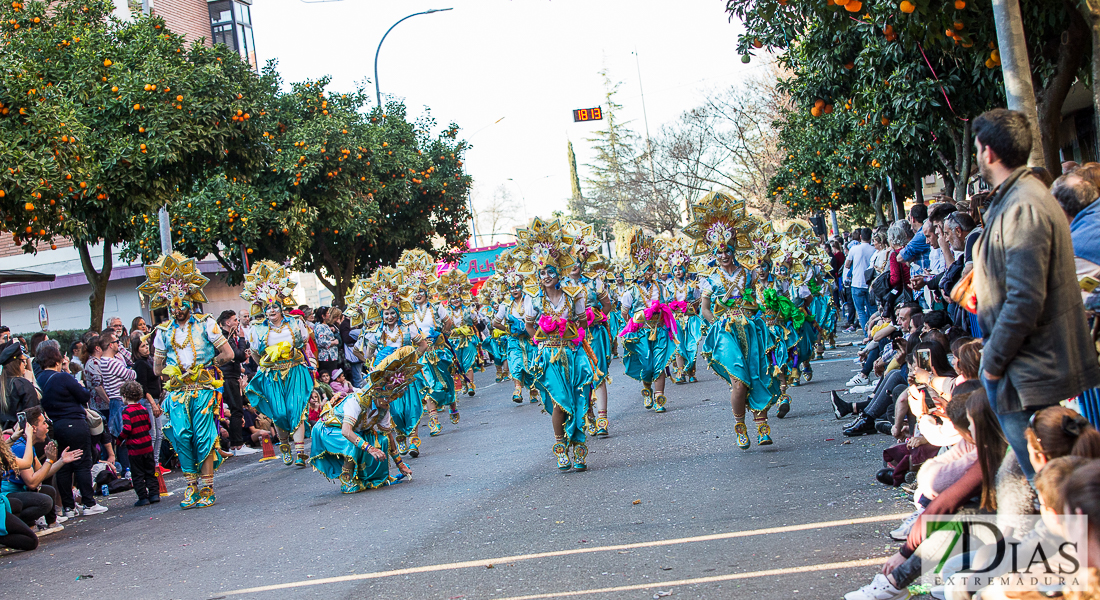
(282, 385)
(406, 410)
(648, 341)
(597, 334)
(186, 345)
(519, 349)
(464, 337)
(683, 300)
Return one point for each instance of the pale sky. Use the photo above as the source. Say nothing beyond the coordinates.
(529, 61)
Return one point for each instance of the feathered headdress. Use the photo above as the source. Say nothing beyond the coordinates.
(382, 290)
(394, 374)
(546, 245)
(642, 251)
(419, 271)
(718, 221)
(173, 281)
(268, 283)
(510, 268)
(585, 245)
(675, 253)
(454, 284)
(763, 245)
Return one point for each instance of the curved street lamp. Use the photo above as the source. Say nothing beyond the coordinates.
(377, 91)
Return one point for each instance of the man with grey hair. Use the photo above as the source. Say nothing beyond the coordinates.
(1074, 194)
(115, 323)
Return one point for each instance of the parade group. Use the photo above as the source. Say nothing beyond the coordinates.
(555, 313)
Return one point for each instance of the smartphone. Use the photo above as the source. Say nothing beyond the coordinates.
(924, 359)
(20, 421)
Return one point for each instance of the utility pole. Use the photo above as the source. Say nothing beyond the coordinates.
(645, 119)
(1016, 69)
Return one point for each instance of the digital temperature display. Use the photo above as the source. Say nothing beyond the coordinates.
(587, 114)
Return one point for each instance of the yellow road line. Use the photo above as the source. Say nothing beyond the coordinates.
(521, 557)
(867, 562)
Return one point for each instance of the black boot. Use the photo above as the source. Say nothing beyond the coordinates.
(841, 408)
(884, 427)
(885, 476)
(864, 425)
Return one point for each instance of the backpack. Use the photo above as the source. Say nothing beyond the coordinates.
(881, 288)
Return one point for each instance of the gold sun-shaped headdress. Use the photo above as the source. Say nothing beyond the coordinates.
(454, 283)
(509, 268)
(719, 221)
(676, 253)
(394, 374)
(268, 283)
(173, 281)
(419, 271)
(642, 252)
(585, 246)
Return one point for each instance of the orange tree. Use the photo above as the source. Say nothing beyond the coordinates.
(108, 119)
(913, 72)
(342, 191)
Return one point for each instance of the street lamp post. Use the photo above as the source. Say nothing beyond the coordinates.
(377, 90)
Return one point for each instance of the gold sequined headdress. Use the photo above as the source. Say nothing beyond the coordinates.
(675, 253)
(173, 281)
(585, 246)
(543, 246)
(394, 374)
(642, 251)
(719, 221)
(268, 283)
(382, 290)
(509, 268)
(419, 271)
(454, 283)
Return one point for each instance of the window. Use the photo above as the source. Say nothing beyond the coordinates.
(231, 24)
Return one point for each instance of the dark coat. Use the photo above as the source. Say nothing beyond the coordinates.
(1029, 301)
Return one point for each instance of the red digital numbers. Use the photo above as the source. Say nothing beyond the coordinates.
(587, 114)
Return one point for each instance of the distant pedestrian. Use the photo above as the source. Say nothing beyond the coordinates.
(137, 441)
(1038, 350)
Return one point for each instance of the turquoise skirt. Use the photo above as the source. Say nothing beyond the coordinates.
(191, 428)
(282, 395)
(437, 375)
(600, 340)
(496, 349)
(408, 409)
(737, 350)
(645, 359)
(688, 330)
(521, 353)
(330, 449)
(615, 322)
(563, 375)
(465, 353)
(823, 311)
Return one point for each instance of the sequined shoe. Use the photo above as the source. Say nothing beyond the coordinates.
(287, 458)
(589, 425)
(517, 397)
(647, 398)
(535, 397)
(659, 403)
(795, 378)
(471, 389)
(190, 497)
(402, 446)
(562, 456)
(206, 497)
(601, 427)
(784, 406)
(352, 486)
(808, 374)
(742, 435)
(454, 416)
(580, 453)
(414, 445)
(691, 376)
(763, 433)
(434, 428)
(301, 459)
(499, 377)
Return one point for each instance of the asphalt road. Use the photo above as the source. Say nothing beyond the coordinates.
(669, 504)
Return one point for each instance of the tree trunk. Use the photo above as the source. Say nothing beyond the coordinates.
(918, 188)
(876, 202)
(1016, 69)
(98, 280)
(948, 183)
(965, 161)
(1050, 100)
(1090, 9)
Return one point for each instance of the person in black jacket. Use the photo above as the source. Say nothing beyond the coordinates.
(17, 393)
(231, 376)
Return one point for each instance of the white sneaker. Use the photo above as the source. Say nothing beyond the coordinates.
(878, 589)
(94, 510)
(41, 522)
(858, 379)
(68, 513)
(245, 450)
(62, 518)
(902, 532)
(43, 530)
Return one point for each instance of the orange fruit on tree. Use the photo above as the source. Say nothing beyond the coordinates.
(815, 111)
(853, 6)
(960, 4)
(907, 7)
(819, 103)
(959, 26)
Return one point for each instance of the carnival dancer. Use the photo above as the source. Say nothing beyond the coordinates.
(353, 441)
(433, 321)
(821, 305)
(735, 345)
(684, 297)
(491, 341)
(587, 273)
(791, 275)
(509, 320)
(555, 318)
(649, 330)
(187, 349)
(454, 289)
(284, 381)
(617, 287)
(378, 305)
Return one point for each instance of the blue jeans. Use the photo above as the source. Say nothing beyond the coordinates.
(356, 374)
(1013, 424)
(861, 297)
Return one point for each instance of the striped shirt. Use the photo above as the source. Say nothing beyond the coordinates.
(135, 430)
(110, 373)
